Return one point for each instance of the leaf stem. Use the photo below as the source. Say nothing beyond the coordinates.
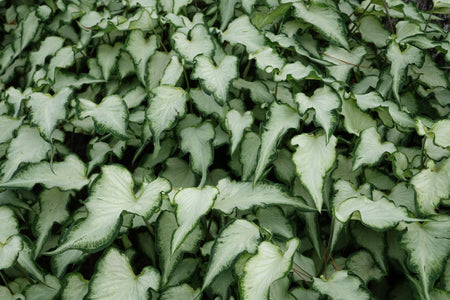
(149, 227)
(6, 282)
(22, 270)
(388, 16)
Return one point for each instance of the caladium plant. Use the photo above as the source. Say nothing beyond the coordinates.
(243, 149)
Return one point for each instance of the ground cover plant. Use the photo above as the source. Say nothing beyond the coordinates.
(241, 149)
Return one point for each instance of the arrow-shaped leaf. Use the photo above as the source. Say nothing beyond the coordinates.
(237, 123)
(197, 42)
(341, 286)
(140, 50)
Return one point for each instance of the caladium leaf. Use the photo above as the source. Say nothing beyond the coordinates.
(47, 110)
(325, 19)
(206, 104)
(27, 147)
(166, 106)
(53, 209)
(267, 59)
(248, 155)
(178, 172)
(242, 31)
(236, 124)
(379, 215)
(172, 72)
(110, 115)
(140, 50)
(261, 20)
(191, 205)
(46, 290)
(7, 127)
(400, 59)
(197, 42)
(107, 58)
(343, 61)
(431, 185)
(268, 265)
(66, 175)
(441, 131)
(428, 246)
(64, 58)
(370, 149)
(341, 286)
(10, 241)
(226, 8)
(216, 79)
(76, 287)
(313, 159)
(183, 291)
(111, 194)
(235, 238)
(325, 102)
(197, 140)
(281, 118)
(244, 195)
(355, 120)
(373, 31)
(114, 279)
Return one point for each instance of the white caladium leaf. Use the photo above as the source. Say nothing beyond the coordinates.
(166, 106)
(341, 286)
(107, 58)
(313, 159)
(166, 225)
(216, 78)
(197, 140)
(110, 195)
(369, 100)
(27, 147)
(47, 110)
(76, 287)
(45, 290)
(431, 75)
(325, 19)
(8, 126)
(296, 69)
(206, 104)
(343, 61)
(432, 185)
(226, 9)
(248, 155)
(236, 124)
(53, 209)
(178, 172)
(268, 265)
(235, 238)
(428, 246)
(66, 175)
(281, 118)
(110, 115)
(372, 31)
(10, 242)
(273, 219)
(64, 58)
(362, 264)
(399, 64)
(325, 102)
(370, 149)
(242, 31)
(379, 215)
(259, 92)
(27, 260)
(191, 205)
(267, 59)
(183, 291)
(140, 50)
(114, 279)
(197, 42)
(244, 195)
(355, 120)
(172, 72)
(97, 152)
(441, 131)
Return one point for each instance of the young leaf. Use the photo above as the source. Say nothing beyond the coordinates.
(47, 110)
(432, 185)
(313, 159)
(172, 72)
(268, 265)
(236, 124)
(110, 195)
(27, 147)
(166, 106)
(66, 175)
(370, 149)
(261, 21)
(244, 195)
(216, 79)
(325, 101)
(64, 58)
(325, 19)
(110, 115)
(379, 215)
(234, 239)
(191, 205)
(281, 118)
(197, 42)
(198, 142)
(140, 50)
(341, 286)
(242, 31)
(107, 56)
(114, 279)
(248, 156)
(428, 246)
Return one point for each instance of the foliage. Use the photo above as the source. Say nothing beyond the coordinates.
(234, 149)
